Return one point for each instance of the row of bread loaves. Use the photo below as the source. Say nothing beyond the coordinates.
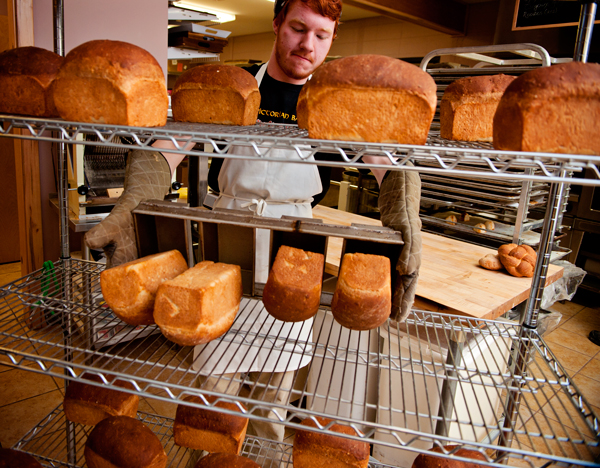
(190, 305)
(364, 97)
(362, 299)
(118, 83)
(549, 109)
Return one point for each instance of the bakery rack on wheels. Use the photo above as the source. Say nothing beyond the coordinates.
(434, 380)
(515, 206)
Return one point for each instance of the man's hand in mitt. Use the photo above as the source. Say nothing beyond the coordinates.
(399, 201)
(147, 177)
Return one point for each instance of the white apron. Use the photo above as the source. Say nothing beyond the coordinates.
(271, 189)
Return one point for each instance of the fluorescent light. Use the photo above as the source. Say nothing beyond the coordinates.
(223, 17)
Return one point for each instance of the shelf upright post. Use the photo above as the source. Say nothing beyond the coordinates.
(584, 31)
(63, 207)
(529, 321)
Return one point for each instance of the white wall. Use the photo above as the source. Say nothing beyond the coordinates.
(140, 22)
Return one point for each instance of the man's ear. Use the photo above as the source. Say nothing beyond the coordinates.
(275, 26)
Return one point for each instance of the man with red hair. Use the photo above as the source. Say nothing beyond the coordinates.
(265, 371)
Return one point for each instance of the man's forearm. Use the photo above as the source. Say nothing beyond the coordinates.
(377, 172)
(173, 159)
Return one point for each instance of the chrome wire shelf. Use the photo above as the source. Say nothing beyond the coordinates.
(437, 156)
(47, 443)
(386, 383)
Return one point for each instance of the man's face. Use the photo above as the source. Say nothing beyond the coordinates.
(303, 41)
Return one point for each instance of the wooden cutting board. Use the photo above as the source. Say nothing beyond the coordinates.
(450, 278)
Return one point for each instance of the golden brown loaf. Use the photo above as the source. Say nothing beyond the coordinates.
(88, 404)
(316, 449)
(200, 304)
(468, 106)
(519, 260)
(130, 288)
(552, 109)
(123, 442)
(368, 98)
(26, 75)
(363, 295)
(491, 262)
(111, 82)
(10, 458)
(293, 290)
(225, 460)
(202, 429)
(216, 94)
(425, 460)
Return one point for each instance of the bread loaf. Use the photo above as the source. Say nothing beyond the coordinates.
(468, 106)
(317, 449)
(89, 404)
(368, 98)
(123, 442)
(519, 260)
(216, 94)
(363, 294)
(225, 460)
(203, 429)
(10, 458)
(552, 109)
(111, 82)
(424, 460)
(491, 262)
(130, 288)
(293, 289)
(26, 75)
(200, 304)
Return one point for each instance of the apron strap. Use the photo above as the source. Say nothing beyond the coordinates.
(259, 205)
(261, 73)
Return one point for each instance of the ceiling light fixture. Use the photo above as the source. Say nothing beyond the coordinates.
(223, 17)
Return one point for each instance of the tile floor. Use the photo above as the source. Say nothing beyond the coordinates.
(26, 397)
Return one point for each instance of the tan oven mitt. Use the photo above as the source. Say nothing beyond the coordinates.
(399, 201)
(147, 177)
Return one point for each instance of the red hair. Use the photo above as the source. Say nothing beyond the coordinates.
(331, 9)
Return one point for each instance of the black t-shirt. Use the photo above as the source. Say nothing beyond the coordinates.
(277, 105)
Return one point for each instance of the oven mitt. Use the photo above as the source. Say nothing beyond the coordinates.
(399, 201)
(147, 177)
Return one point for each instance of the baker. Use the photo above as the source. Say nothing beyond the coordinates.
(304, 32)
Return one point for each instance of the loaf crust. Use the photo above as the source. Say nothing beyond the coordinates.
(225, 460)
(130, 288)
(216, 94)
(10, 458)
(425, 460)
(368, 98)
(111, 82)
(88, 404)
(468, 106)
(202, 429)
(519, 260)
(315, 449)
(123, 442)
(552, 109)
(200, 304)
(26, 76)
(363, 295)
(293, 290)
